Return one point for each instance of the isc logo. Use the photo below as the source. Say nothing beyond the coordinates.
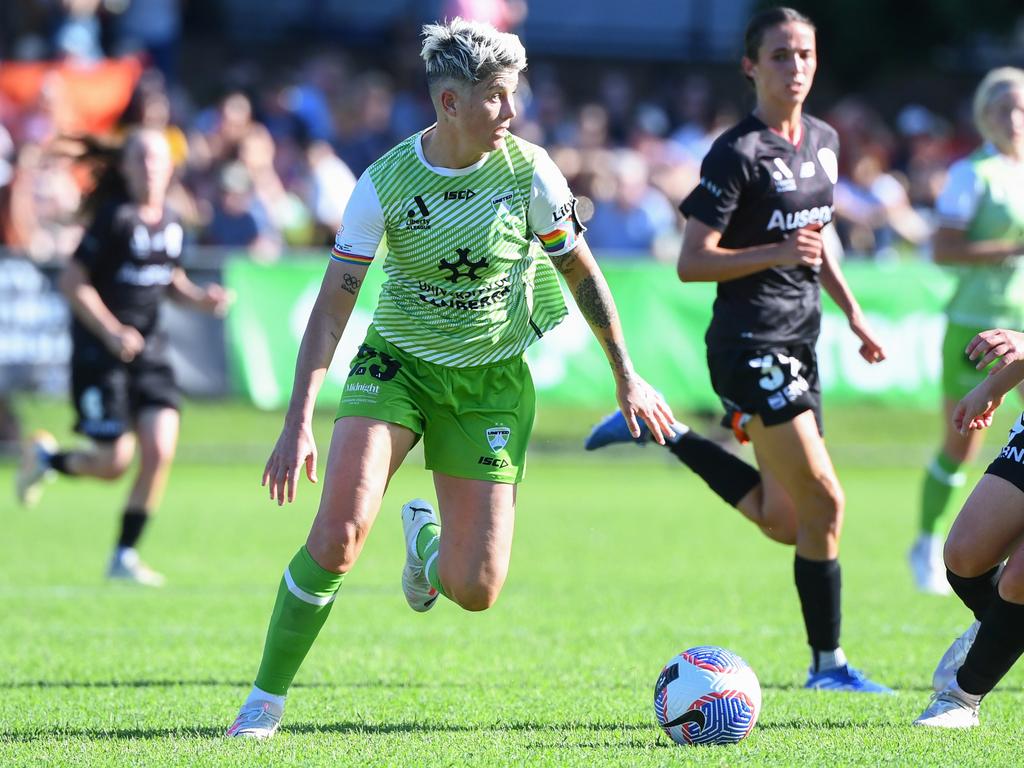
(459, 194)
(493, 461)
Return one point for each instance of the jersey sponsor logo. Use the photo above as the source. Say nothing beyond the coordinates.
(783, 176)
(829, 163)
(145, 276)
(797, 219)
(807, 169)
(1009, 451)
(566, 209)
(417, 215)
(493, 461)
(469, 301)
(710, 186)
(459, 194)
(369, 389)
(463, 261)
(497, 436)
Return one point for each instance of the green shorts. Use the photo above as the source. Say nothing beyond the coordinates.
(475, 422)
(959, 376)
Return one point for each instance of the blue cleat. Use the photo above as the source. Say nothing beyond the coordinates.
(844, 678)
(612, 429)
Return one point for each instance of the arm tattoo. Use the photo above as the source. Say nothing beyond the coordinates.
(350, 283)
(565, 262)
(595, 302)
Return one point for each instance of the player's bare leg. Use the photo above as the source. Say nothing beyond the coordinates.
(363, 456)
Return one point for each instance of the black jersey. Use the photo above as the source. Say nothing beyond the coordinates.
(130, 263)
(756, 187)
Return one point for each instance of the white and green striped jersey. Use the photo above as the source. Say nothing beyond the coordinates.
(984, 197)
(468, 282)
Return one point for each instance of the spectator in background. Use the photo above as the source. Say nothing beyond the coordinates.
(368, 134)
(280, 214)
(923, 155)
(873, 207)
(234, 222)
(628, 212)
(155, 27)
(503, 15)
(981, 233)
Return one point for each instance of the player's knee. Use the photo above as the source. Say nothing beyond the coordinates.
(337, 547)
(962, 558)
(114, 462)
(476, 596)
(1011, 583)
(823, 503)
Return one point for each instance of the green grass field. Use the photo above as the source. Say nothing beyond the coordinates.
(621, 560)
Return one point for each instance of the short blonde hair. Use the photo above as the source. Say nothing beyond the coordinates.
(993, 86)
(469, 52)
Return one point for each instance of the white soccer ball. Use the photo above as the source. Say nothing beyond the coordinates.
(707, 695)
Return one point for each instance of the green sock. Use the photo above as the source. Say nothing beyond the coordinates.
(428, 544)
(941, 478)
(304, 600)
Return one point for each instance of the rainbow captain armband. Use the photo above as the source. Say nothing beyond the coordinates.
(563, 237)
(350, 258)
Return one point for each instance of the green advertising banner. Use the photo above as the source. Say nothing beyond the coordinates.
(664, 322)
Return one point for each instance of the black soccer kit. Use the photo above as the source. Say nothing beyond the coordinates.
(756, 188)
(130, 263)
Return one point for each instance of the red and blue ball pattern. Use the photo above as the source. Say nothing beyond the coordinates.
(707, 695)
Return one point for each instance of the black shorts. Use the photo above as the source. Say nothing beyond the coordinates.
(776, 383)
(109, 394)
(1009, 464)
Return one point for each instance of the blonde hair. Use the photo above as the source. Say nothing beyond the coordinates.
(993, 86)
(468, 52)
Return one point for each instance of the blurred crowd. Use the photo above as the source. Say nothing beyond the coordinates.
(268, 164)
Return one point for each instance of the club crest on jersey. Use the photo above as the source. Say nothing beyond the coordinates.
(783, 176)
(503, 203)
(497, 437)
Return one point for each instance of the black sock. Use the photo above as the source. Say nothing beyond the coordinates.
(819, 582)
(132, 523)
(728, 476)
(999, 644)
(59, 463)
(976, 592)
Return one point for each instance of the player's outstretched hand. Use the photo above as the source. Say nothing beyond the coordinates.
(870, 348)
(976, 409)
(637, 398)
(999, 345)
(294, 448)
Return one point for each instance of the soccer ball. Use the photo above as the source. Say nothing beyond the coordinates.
(707, 695)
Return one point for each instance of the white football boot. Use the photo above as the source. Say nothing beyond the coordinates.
(954, 658)
(926, 563)
(125, 565)
(34, 469)
(948, 709)
(418, 592)
(256, 720)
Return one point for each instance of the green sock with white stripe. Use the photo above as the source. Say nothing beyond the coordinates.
(428, 544)
(304, 600)
(942, 477)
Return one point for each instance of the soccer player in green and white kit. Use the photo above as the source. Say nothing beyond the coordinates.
(981, 233)
(467, 291)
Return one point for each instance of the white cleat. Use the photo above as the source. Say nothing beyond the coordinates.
(126, 566)
(256, 720)
(948, 710)
(954, 658)
(418, 592)
(926, 563)
(34, 469)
